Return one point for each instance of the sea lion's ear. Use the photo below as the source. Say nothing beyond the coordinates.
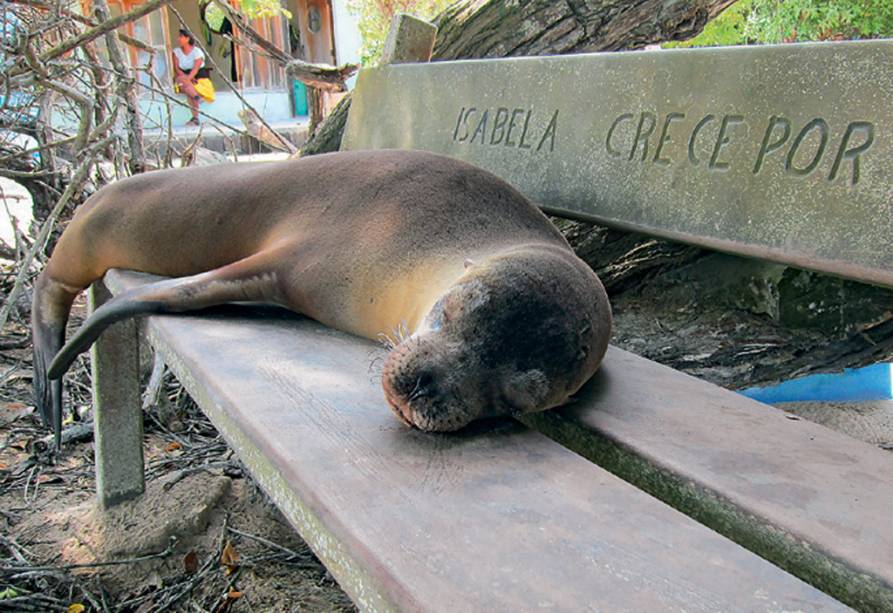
(469, 263)
(526, 391)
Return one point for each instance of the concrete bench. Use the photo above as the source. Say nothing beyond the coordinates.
(511, 516)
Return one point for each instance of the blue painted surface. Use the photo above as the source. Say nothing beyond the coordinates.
(274, 106)
(853, 385)
(300, 91)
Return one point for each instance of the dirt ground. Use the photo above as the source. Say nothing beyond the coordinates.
(203, 538)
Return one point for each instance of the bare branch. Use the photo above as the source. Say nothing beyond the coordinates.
(321, 76)
(96, 31)
(86, 21)
(126, 91)
(73, 187)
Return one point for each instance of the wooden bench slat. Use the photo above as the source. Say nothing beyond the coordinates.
(504, 519)
(813, 501)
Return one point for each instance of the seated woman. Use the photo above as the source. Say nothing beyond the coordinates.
(188, 62)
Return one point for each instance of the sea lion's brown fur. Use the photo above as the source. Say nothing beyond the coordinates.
(502, 317)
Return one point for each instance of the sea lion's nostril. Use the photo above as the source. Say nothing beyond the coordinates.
(426, 379)
(424, 385)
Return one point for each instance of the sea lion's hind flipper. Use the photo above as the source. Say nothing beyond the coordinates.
(248, 280)
(50, 306)
(48, 339)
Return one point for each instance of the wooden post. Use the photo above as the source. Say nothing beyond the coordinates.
(117, 413)
(315, 102)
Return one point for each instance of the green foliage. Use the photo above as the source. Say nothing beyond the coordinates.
(727, 29)
(8, 593)
(774, 21)
(779, 21)
(258, 9)
(375, 18)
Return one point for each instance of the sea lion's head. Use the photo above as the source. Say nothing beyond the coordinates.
(519, 332)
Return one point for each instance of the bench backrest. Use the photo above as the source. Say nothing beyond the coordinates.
(777, 152)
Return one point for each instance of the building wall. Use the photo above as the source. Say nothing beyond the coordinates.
(347, 36)
(316, 47)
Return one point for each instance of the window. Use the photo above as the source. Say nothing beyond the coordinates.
(257, 70)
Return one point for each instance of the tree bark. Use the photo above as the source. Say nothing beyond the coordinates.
(729, 320)
(478, 29)
(327, 136)
(94, 33)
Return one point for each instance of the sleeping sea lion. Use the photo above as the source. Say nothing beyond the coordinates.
(493, 311)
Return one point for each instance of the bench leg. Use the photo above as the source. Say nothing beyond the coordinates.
(117, 414)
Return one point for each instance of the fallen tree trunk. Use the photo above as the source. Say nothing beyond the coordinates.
(729, 320)
(505, 29)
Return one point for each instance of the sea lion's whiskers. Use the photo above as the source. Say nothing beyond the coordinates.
(386, 341)
(376, 368)
(401, 332)
(397, 336)
(418, 391)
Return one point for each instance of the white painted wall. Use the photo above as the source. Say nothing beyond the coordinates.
(347, 36)
(15, 200)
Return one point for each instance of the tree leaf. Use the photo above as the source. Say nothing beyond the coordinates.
(8, 593)
(229, 557)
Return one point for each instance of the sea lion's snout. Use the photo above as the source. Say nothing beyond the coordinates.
(426, 387)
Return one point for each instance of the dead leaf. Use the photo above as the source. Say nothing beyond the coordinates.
(173, 447)
(190, 563)
(229, 557)
(228, 599)
(76, 608)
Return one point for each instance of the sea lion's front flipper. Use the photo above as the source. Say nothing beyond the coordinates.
(253, 279)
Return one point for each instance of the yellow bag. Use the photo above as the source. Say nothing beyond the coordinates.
(205, 89)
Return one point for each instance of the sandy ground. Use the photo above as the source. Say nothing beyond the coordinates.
(871, 422)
